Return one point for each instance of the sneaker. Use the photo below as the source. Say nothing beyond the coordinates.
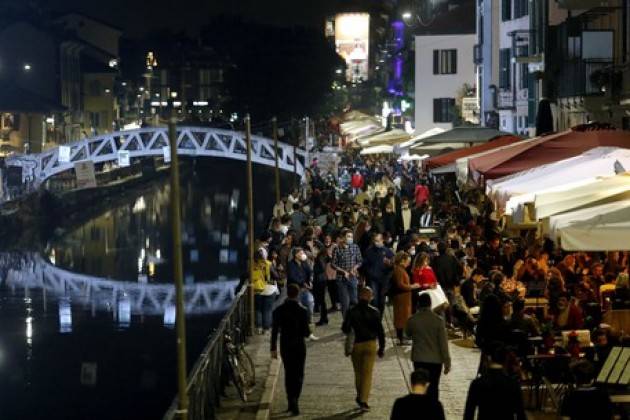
(364, 407)
(313, 337)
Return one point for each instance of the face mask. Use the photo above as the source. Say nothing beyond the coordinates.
(379, 215)
(349, 241)
(412, 251)
(303, 257)
(337, 213)
(284, 229)
(378, 244)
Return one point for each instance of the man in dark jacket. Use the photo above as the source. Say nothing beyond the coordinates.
(495, 395)
(377, 268)
(448, 272)
(418, 404)
(290, 320)
(365, 322)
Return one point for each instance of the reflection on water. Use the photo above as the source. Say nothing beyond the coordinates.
(86, 326)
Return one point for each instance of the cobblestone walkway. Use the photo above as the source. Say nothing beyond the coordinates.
(328, 391)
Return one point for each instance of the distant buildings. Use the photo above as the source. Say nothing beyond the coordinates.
(60, 76)
(444, 66)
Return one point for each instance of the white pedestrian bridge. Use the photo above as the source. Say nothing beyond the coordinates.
(151, 142)
(25, 272)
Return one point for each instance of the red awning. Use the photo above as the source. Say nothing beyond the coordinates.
(450, 157)
(547, 149)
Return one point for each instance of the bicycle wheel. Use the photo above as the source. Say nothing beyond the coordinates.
(246, 366)
(237, 377)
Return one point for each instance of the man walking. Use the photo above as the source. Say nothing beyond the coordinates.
(346, 261)
(418, 402)
(291, 320)
(365, 321)
(429, 345)
(377, 267)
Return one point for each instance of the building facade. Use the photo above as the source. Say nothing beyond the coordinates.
(444, 66)
(514, 77)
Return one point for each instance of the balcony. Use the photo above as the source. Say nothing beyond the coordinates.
(505, 99)
(575, 78)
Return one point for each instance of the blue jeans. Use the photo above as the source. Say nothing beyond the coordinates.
(379, 290)
(264, 306)
(307, 300)
(347, 294)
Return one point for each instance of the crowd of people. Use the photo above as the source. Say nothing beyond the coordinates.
(385, 232)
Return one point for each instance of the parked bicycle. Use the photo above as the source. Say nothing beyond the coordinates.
(240, 366)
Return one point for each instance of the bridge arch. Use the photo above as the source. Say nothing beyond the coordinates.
(150, 142)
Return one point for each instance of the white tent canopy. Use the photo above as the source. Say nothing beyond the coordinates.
(605, 232)
(388, 137)
(612, 188)
(612, 212)
(374, 150)
(407, 157)
(416, 139)
(520, 188)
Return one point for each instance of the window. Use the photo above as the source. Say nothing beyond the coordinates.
(443, 110)
(444, 61)
(506, 10)
(520, 8)
(523, 79)
(504, 68)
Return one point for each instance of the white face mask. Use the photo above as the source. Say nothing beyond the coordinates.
(284, 229)
(349, 240)
(412, 251)
(303, 257)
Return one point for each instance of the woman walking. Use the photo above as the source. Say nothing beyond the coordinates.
(402, 289)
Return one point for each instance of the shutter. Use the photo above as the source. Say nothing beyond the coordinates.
(436, 61)
(454, 63)
(436, 110)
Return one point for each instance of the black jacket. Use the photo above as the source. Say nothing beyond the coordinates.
(415, 406)
(496, 396)
(447, 270)
(365, 321)
(290, 320)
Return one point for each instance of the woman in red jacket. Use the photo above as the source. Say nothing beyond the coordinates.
(423, 274)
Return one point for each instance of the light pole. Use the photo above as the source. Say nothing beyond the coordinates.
(274, 122)
(250, 221)
(178, 272)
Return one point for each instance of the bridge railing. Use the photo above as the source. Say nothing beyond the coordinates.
(207, 377)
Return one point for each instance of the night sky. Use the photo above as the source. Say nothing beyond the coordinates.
(137, 17)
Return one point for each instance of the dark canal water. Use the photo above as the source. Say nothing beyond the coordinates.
(87, 316)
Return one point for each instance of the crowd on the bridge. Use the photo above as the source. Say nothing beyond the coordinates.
(381, 238)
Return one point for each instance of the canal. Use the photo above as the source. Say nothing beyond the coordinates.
(87, 315)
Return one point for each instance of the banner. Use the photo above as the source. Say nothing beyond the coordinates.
(84, 171)
(123, 158)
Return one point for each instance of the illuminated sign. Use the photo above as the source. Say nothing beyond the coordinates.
(352, 40)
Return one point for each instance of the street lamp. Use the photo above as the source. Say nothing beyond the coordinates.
(27, 67)
(406, 15)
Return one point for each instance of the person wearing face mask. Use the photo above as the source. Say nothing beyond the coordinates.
(299, 273)
(377, 266)
(390, 222)
(346, 261)
(406, 216)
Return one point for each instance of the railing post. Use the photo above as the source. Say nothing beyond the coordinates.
(274, 122)
(182, 401)
(250, 222)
